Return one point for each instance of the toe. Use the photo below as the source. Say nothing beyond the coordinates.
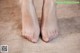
(32, 39)
(53, 35)
(45, 38)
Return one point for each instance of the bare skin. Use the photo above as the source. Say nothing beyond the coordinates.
(49, 27)
(30, 24)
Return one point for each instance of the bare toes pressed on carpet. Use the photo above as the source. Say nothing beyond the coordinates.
(49, 31)
(30, 25)
(49, 28)
(31, 33)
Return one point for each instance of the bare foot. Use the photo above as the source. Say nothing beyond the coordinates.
(30, 25)
(49, 27)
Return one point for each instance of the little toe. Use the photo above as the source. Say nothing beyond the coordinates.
(53, 35)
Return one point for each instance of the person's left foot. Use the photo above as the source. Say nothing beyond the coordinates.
(49, 28)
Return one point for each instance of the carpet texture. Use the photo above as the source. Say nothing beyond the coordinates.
(10, 29)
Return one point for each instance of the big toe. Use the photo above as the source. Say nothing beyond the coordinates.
(45, 38)
(31, 38)
(50, 37)
(34, 40)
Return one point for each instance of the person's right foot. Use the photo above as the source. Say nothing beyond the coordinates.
(30, 25)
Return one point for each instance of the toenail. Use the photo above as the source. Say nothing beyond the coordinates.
(34, 40)
(46, 39)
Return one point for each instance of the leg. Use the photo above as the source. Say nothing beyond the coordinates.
(49, 28)
(30, 25)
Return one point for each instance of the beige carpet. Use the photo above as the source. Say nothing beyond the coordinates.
(10, 30)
